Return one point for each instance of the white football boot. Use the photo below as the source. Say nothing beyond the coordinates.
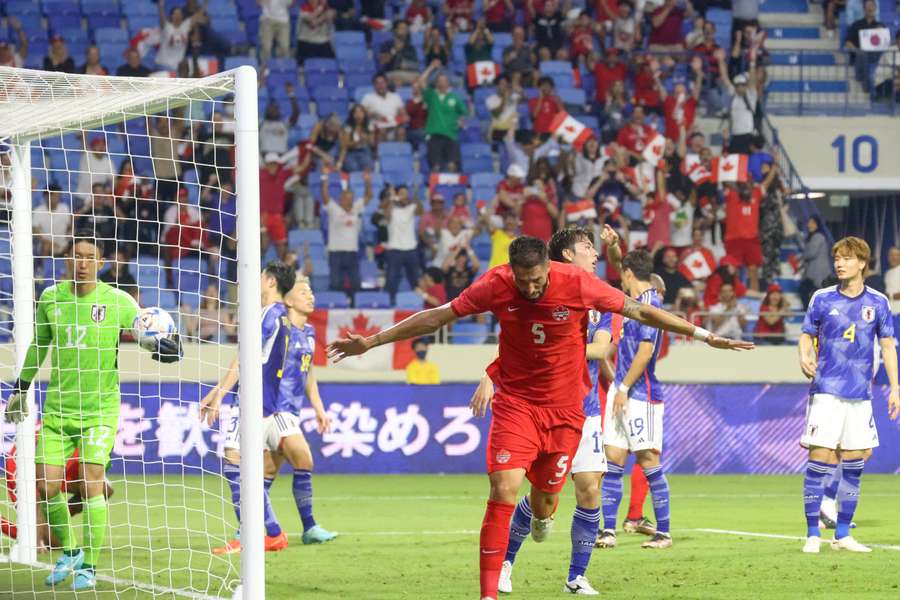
(580, 586)
(812, 544)
(505, 584)
(850, 544)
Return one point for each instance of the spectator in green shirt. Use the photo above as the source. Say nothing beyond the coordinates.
(480, 44)
(446, 113)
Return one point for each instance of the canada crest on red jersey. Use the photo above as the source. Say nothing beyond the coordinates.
(560, 313)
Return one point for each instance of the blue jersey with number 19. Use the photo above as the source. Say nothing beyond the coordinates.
(301, 345)
(647, 387)
(592, 400)
(275, 337)
(846, 329)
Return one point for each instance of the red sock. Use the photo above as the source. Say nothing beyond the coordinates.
(494, 537)
(639, 489)
(9, 529)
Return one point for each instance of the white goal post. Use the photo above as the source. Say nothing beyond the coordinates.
(37, 105)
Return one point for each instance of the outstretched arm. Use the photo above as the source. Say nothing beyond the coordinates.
(661, 319)
(422, 323)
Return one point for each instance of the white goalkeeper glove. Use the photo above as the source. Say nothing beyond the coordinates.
(16, 407)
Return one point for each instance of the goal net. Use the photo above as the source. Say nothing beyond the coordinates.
(161, 174)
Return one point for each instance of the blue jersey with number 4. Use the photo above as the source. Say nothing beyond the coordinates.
(647, 387)
(275, 335)
(301, 345)
(846, 330)
(592, 400)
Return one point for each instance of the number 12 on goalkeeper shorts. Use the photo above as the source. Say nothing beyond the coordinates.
(97, 444)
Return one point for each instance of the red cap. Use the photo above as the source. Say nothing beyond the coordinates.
(729, 260)
(773, 287)
(182, 192)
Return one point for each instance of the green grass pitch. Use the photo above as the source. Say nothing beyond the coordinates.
(416, 537)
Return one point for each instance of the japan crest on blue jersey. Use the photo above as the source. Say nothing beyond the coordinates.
(847, 330)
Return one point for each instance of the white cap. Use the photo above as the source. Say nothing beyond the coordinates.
(740, 79)
(515, 170)
(493, 102)
(272, 157)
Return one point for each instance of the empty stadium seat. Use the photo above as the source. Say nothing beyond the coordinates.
(371, 300)
(410, 300)
(468, 333)
(332, 299)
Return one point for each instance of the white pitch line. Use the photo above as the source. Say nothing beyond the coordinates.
(146, 587)
(778, 536)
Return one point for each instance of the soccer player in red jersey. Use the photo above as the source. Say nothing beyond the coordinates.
(542, 307)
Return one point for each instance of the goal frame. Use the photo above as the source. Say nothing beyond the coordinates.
(246, 143)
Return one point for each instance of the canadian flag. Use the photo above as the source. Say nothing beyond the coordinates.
(483, 72)
(335, 324)
(637, 240)
(570, 130)
(875, 40)
(437, 179)
(730, 167)
(697, 264)
(653, 153)
(580, 209)
(145, 39)
(690, 159)
(377, 24)
(699, 174)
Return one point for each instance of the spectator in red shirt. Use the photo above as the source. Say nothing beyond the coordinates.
(540, 209)
(657, 215)
(697, 262)
(272, 179)
(742, 225)
(581, 38)
(645, 92)
(635, 136)
(607, 71)
(770, 325)
(665, 26)
(606, 10)
(680, 108)
(418, 15)
(498, 14)
(726, 273)
(544, 108)
(417, 113)
(510, 191)
(431, 288)
(459, 15)
(184, 234)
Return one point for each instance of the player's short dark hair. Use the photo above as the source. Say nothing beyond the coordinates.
(85, 234)
(527, 252)
(436, 274)
(640, 263)
(285, 275)
(565, 239)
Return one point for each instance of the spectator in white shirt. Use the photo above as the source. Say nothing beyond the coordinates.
(173, 37)
(401, 256)
(450, 241)
(386, 110)
(892, 279)
(274, 131)
(51, 222)
(728, 318)
(344, 223)
(96, 167)
(314, 30)
(274, 25)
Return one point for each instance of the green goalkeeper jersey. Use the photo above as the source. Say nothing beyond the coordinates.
(82, 333)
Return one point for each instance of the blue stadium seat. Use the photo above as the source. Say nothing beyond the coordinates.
(352, 54)
(468, 332)
(320, 65)
(476, 150)
(476, 164)
(110, 34)
(21, 8)
(322, 79)
(549, 67)
(371, 300)
(280, 65)
(329, 94)
(100, 21)
(349, 38)
(296, 237)
(190, 299)
(409, 300)
(395, 164)
(359, 91)
(487, 179)
(332, 299)
(233, 62)
(100, 7)
(403, 149)
(61, 7)
(572, 96)
(340, 108)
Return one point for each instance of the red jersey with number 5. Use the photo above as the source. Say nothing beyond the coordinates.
(542, 343)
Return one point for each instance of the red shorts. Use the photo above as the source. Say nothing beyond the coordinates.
(747, 252)
(543, 441)
(72, 473)
(275, 228)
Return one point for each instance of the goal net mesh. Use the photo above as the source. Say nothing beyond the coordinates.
(147, 166)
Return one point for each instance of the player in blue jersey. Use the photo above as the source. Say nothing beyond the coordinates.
(634, 410)
(844, 321)
(277, 279)
(571, 245)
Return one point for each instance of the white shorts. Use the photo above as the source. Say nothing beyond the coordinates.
(640, 428)
(833, 422)
(231, 428)
(278, 426)
(590, 457)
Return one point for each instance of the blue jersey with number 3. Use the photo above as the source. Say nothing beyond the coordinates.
(647, 386)
(275, 334)
(301, 346)
(592, 400)
(846, 330)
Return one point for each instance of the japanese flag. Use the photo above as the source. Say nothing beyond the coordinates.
(696, 265)
(570, 130)
(653, 153)
(730, 167)
(580, 209)
(483, 72)
(335, 324)
(875, 40)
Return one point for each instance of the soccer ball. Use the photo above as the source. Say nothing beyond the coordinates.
(150, 325)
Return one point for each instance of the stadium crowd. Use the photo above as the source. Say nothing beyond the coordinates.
(440, 131)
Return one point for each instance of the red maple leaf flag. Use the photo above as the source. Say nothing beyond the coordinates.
(580, 209)
(730, 168)
(697, 264)
(570, 130)
(699, 174)
(339, 323)
(653, 153)
(483, 72)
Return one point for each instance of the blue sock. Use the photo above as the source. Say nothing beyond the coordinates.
(303, 497)
(659, 490)
(585, 525)
(519, 528)
(273, 529)
(612, 494)
(833, 478)
(233, 474)
(848, 495)
(813, 488)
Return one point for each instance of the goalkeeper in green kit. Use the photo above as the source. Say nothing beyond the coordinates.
(79, 322)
